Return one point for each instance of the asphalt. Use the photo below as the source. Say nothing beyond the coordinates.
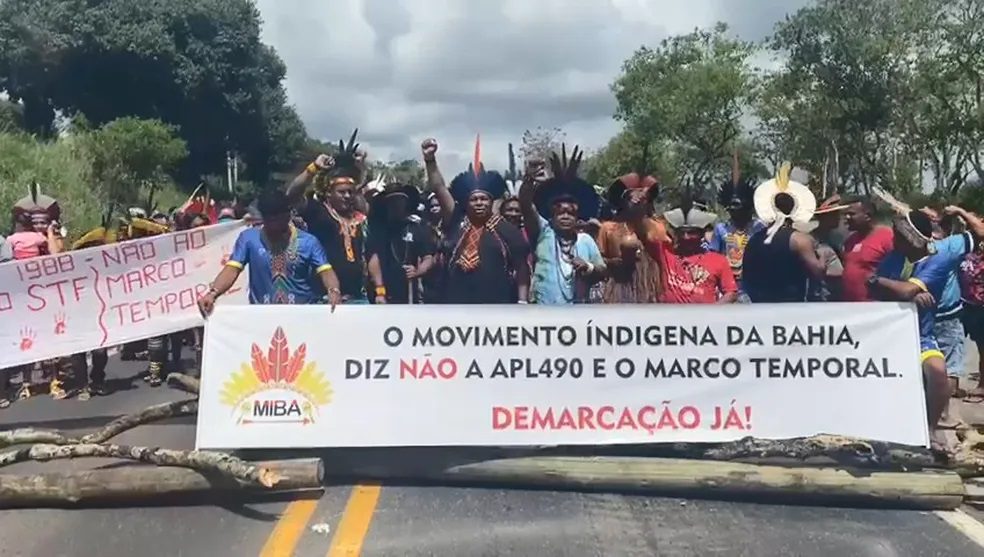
(405, 520)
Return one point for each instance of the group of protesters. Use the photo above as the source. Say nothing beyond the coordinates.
(333, 236)
(37, 231)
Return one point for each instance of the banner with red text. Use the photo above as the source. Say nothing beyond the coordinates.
(104, 296)
(368, 376)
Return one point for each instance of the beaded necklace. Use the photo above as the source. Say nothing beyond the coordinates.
(282, 259)
(349, 228)
(564, 253)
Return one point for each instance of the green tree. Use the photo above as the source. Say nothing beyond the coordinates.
(11, 117)
(946, 120)
(688, 95)
(196, 64)
(407, 171)
(848, 82)
(129, 156)
(627, 152)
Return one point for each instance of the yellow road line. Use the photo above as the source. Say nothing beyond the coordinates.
(289, 529)
(965, 523)
(352, 529)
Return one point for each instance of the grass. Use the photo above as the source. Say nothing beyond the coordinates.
(61, 169)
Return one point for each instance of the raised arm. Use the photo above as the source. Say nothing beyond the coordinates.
(435, 180)
(297, 186)
(534, 176)
(974, 225)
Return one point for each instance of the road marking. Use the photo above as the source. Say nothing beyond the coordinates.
(289, 528)
(966, 524)
(352, 529)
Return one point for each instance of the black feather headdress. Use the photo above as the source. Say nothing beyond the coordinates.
(566, 183)
(347, 166)
(691, 213)
(36, 207)
(476, 178)
(739, 191)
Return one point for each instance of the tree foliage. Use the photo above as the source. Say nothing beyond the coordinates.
(878, 92)
(687, 96)
(195, 64)
(408, 172)
(130, 155)
(860, 93)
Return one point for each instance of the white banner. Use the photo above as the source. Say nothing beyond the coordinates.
(103, 296)
(299, 376)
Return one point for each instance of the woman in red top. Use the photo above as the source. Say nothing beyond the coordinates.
(690, 273)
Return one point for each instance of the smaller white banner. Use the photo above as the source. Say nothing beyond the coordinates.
(108, 295)
(301, 376)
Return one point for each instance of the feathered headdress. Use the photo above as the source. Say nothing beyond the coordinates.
(100, 235)
(378, 184)
(640, 179)
(803, 203)
(36, 208)
(347, 167)
(476, 178)
(690, 214)
(138, 224)
(565, 182)
(914, 226)
(739, 191)
(200, 202)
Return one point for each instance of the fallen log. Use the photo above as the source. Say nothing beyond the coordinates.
(845, 450)
(968, 459)
(147, 415)
(925, 490)
(136, 484)
(184, 382)
(219, 463)
(27, 436)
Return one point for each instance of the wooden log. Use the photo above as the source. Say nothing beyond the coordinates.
(27, 435)
(150, 414)
(132, 485)
(968, 459)
(184, 382)
(219, 463)
(925, 490)
(157, 412)
(845, 450)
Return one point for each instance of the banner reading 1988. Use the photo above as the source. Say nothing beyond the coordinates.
(103, 296)
(290, 376)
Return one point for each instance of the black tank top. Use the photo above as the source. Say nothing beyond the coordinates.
(773, 273)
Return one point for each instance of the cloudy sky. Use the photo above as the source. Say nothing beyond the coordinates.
(404, 70)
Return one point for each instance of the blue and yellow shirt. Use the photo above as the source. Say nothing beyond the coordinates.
(280, 278)
(932, 274)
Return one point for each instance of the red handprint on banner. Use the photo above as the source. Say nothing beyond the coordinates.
(28, 336)
(225, 255)
(60, 320)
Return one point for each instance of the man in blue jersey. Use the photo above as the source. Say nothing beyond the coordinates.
(282, 261)
(948, 328)
(918, 270)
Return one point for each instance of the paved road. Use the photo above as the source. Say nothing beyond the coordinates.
(401, 521)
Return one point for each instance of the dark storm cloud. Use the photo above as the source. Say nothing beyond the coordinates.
(403, 70)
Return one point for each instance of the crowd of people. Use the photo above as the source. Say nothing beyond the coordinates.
(37, 231)
(332, 236)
